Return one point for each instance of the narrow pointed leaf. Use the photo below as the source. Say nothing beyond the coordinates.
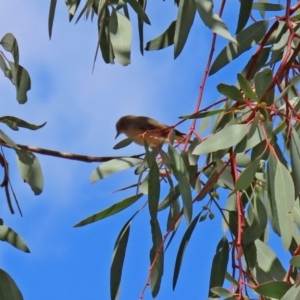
(153, 190)
(123, 143)
(14, 123)
(110, 211)
(51, 16)
(164, 40)
(267, 6)
(274, 289)
(157, 254)
(139, 10)
(292, 293)
(182, 175)
(8, 140)
(113, 166)
(203, 114)
(219, 265)
(244, 14)
(213, 21)
(10, 236)
(183, 244)
(246, 39)
(263, 81)
(8, 288)
(118, 260)
(185, 20)
(223, 139)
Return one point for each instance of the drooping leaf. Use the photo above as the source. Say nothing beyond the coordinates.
(139, 10)
(30, 170)
(22, 82)
(120, 32)
(113, 166)
(244, 14)
(164, 40)
(8, 140)
(183, 244)
(182, 175)
(10, 44)
(51, 16)
(14, 123)
(294, 144)
(156, 258)
(153, 189)
(8, 288)
(10, 236)
(185, 20)
(219, 265)
(118, 260)
(222, 292)
(246, 39)
(292, 293)
(112, 210)
(213, 21)
(225, 138)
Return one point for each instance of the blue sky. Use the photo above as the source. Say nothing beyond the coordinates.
(81, 109)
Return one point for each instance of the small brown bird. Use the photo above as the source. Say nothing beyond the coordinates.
(139, 128)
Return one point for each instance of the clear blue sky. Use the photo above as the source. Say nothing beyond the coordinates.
(81, 109)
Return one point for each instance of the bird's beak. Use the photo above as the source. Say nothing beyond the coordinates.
(118, 133)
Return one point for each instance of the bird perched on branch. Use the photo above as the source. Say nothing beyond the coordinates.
(139, 128)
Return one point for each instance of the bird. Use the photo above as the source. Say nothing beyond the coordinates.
(140, 128)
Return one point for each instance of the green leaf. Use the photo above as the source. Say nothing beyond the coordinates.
(295, 261)
(268, 261)
(157, 254)
(222, 292)
(294, 145)
(225, 138)
(219, 265)
(110, 211)
(120, 32)
(113, 166)
(244, 14)
(246, 39)
(263, 81)
(118, 260)
(8, 140)
(293, 83)
(246, 87)
(14, 123)
(164, 40)
(10, 44)
(153, 189)
(30, 170)
(139, 10)
(8, 288)
(230, 91)
(123, 143)
(182, 176)
(10, 236)
(51, 16)
(247, 175)
(292, 293)
(22, 82)
(274, 289)
(213, 21)
(183, 244)
(284, 194)
(185, 20)
(203, 114)
(267, 6)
